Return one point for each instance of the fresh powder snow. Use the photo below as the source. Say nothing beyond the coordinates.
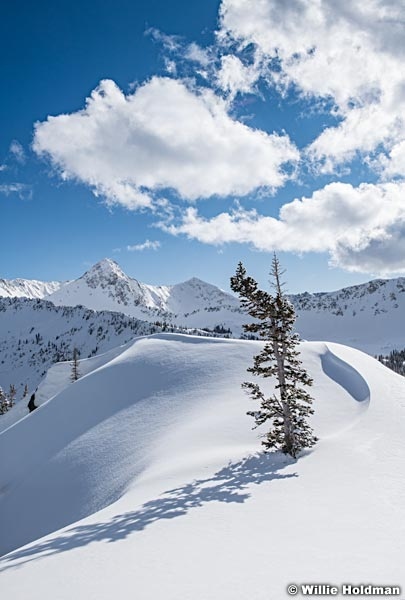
(144, 480)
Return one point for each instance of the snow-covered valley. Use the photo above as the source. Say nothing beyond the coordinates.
(147, 481)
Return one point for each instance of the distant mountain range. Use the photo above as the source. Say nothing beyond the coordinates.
(27, 288)
(369, 316)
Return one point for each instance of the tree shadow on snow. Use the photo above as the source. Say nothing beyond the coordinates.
(228, 485)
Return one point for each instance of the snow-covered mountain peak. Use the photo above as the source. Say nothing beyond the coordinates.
(196, 281)
(106, 286)
(105, 271)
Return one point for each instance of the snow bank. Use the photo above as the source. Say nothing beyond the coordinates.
(150, 465)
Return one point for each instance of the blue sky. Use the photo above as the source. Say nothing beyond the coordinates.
(215, 132)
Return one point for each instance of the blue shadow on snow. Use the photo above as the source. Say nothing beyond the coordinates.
(229, 485)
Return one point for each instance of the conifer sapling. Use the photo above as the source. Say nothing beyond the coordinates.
(75, 374)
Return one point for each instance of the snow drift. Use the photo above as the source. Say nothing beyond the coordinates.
(150, 465)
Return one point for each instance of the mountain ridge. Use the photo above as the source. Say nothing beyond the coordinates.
(367, 316)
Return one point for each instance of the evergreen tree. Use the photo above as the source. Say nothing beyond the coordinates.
(11, 395)
(75, 374)
(290, 405)
(25, 393)
(3, 402)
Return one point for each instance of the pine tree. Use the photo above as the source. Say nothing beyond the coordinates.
(290, 405)
(3, 402)
(25, 393)
(11, 395)
(75, 374)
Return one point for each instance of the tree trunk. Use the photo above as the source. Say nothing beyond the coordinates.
(287, 423)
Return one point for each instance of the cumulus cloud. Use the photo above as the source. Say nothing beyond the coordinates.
(146, 245)
(349, 53)
(362, 228)
(163, 135)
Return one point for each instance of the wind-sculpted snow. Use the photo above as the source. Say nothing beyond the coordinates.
(149, 461)
(156, 433)
(117, 410)
(346, 376)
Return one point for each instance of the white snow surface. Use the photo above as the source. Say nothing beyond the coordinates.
(28, 288)
(34, 334)
(144, 480)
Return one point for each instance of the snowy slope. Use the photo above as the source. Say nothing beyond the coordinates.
(149, 464)
(27, 288)
(368, 316)
(34, 334)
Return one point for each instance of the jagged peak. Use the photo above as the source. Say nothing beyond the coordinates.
(106, 267)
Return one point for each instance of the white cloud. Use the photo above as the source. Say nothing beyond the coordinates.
(363, 228)
(349, 52)
(17, 151)
(146, 245)
(164, 135)
(170, 66)
(233, 76)
(23, 190)
(172, 43)
(195, 53)
(393, 165)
